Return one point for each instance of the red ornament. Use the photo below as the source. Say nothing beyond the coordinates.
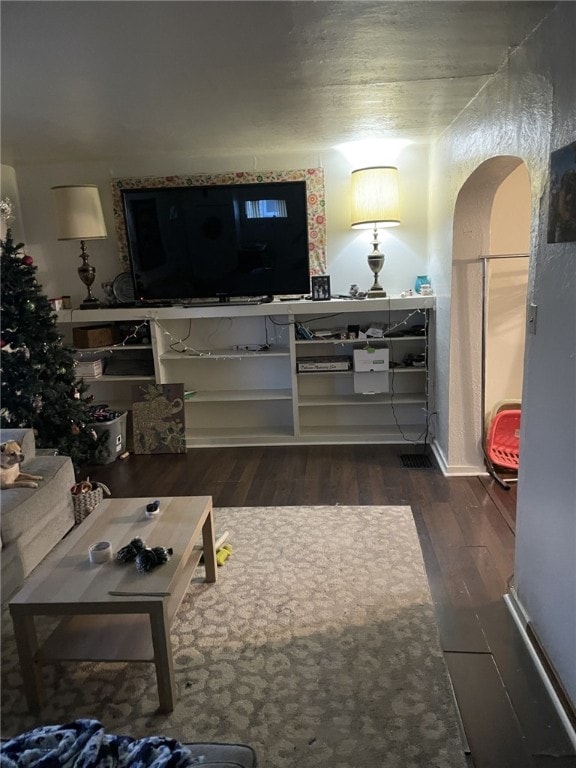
(28, 260)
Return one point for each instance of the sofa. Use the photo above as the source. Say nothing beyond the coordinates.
(33, 520)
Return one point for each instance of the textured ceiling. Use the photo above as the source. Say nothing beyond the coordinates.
(102, 80)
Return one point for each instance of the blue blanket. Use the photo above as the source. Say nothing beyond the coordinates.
(85, 744)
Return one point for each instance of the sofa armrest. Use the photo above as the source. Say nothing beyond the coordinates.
(223, 755)
(24, 437)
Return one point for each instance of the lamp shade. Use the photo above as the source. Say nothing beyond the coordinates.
(375, 197)
(79, 213)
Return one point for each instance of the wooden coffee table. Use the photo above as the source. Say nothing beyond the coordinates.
(110, 612)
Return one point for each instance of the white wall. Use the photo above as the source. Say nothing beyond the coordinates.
(527, 110)
(9, 191)
(507, 281)
(405, 246)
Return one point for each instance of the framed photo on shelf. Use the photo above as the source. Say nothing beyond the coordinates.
(321, 288)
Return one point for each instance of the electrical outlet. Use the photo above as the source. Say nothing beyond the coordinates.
(532, 315)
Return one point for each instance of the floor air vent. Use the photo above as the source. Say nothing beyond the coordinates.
(415, 460)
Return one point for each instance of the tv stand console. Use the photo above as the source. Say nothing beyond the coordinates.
(260, 374)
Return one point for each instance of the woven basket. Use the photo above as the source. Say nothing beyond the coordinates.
(86, 502)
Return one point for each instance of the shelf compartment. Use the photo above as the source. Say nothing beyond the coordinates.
(222, 334)
(321, 386)
(212, 374)
(363, 414)
(239, 414)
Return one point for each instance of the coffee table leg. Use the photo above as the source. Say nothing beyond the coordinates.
(208, 545)
(163, 661)
(27, 645)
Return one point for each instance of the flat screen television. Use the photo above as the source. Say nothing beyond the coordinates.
(221, 242)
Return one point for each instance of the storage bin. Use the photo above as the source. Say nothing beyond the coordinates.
(88, 365)
(115, 443)
(503, 443)
(86, 502)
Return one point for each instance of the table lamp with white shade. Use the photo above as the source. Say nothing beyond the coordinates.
(375, 204)
(79, 217)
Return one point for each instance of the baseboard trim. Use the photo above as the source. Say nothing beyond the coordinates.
(437, 451)
(550, 680)
(456, 470)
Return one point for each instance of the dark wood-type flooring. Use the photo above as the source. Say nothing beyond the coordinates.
(466, 528)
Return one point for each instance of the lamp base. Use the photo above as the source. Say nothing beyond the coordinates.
(90, 304)
(376, 262)
(376, 293)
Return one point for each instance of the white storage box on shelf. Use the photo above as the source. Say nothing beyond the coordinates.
(371, 359)
(88, 365)
(371, 367)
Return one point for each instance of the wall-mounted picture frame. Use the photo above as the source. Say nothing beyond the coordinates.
(320, 288)
(562, 204)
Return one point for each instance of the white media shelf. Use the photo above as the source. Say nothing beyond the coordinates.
(238, 366)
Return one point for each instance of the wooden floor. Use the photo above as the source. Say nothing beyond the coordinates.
(466, 528)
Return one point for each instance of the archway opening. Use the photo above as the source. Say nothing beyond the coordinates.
(491, 220)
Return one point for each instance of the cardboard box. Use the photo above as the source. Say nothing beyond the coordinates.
(371, 359)
(90, 336)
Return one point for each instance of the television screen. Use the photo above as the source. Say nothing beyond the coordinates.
(218, 241)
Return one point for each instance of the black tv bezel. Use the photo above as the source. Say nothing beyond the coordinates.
(315, 203)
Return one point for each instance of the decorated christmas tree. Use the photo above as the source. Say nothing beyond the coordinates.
(39, 388)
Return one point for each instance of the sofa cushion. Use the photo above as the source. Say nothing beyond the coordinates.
(20, 557)
(25, 439)
(23, 508)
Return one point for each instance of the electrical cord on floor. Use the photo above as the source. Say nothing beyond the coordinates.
(426, 430)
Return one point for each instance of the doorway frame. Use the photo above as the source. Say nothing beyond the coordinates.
(470, 241)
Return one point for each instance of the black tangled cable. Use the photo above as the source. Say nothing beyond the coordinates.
(129, 553)
(146, 558)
